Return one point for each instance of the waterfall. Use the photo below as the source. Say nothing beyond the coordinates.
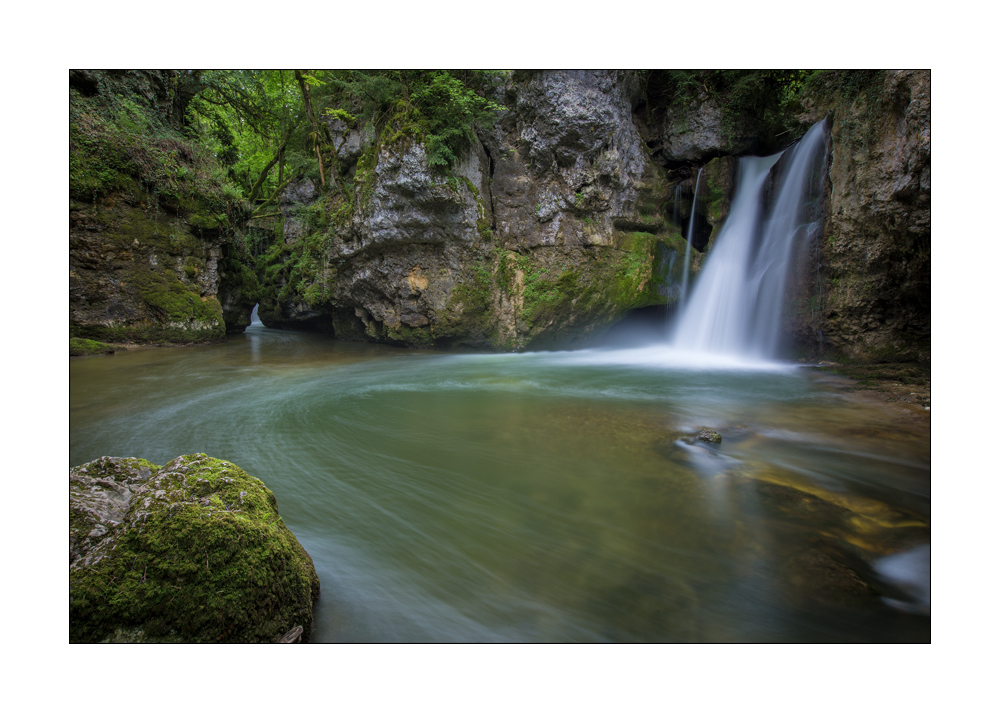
(690, 235)
(254, 319)
(736, 305)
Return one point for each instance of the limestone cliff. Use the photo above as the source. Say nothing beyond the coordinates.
(871, 287)
(545, 232)
(149, 257)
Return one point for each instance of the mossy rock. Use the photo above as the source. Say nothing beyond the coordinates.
(707, 435)
(86, 347)
(193, 551)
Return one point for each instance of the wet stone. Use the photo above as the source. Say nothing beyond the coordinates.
(707, 435)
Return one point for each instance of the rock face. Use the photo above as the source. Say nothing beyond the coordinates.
(140, 275)
(689, 131)
(694, 134)
(870, 296)
(193, 551)
(545, 232)
(147, 247)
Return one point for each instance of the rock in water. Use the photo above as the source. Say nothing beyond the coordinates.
(193, 551)
(709, 436)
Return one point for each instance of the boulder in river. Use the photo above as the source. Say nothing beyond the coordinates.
(193, 551)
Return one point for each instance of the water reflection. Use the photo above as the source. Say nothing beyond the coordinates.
(543, 497)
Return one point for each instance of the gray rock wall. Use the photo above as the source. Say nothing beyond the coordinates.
(871, 292)
(459, 258)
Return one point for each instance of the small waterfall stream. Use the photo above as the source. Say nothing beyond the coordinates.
(254, 319)
(736, 304)
(690, 237)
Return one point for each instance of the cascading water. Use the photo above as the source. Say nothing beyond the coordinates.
(736, 305)
(254, 319)
(690, 237)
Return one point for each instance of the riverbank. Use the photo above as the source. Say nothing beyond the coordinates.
(91, 347)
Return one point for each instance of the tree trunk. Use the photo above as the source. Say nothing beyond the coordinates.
(312, 118)
(279, 155)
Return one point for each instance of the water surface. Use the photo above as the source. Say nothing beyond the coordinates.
(549, 496)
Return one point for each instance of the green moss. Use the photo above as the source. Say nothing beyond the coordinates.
(202, 556)
(119, 145)
(164, 234)
(411, 336)
(193, 266)
(468, 314)
(634, 282)
(545, 294)
(174, 300)
(211, 223)
(317, 293)
(85, 347)
(150, 333)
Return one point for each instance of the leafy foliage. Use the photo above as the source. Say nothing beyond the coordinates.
(451, 110)
(116, 144)
(248, 119)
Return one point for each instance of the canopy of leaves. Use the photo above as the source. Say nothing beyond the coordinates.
(254, 120)
(242, 117)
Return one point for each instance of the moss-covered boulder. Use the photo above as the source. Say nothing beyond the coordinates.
(193, 551)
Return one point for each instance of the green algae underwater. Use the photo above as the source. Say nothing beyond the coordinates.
(548, 496)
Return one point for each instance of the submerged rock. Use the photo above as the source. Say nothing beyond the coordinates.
(815, 577)
(648, 607)
(193, 551)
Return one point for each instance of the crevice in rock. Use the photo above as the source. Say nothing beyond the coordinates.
(489, 187)
(84, 82)
(702, 231)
